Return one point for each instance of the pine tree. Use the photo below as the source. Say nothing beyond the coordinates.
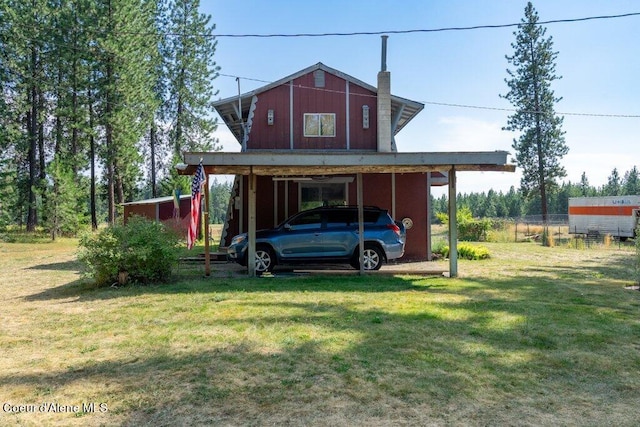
(191, 70)
(125, 92)
(541, 145)
(64, 215)
(613, 187)
(631, 186)
(585, 188)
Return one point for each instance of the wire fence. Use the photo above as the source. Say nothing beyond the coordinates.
(555, 232)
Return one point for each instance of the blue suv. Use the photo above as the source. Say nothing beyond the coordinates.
(325, 234)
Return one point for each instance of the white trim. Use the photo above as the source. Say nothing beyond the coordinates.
(249, 124)
(291, 114)
(241, 208)
(348, 116)
(275, 203)
(393, 195)
(286, 199)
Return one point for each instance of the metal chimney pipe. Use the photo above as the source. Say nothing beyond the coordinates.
(383, 65)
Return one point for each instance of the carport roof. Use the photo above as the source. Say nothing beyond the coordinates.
(285, 163)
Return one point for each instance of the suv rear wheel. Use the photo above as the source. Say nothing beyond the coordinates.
(373, 258)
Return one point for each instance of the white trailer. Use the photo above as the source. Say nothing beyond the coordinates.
(614, 215)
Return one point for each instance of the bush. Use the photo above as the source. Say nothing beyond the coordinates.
(469, 228)
(465, 251)
(142, 251)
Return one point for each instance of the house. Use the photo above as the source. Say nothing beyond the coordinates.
(322, 137)
(322, 110)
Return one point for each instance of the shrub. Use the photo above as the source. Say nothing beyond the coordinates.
(440, 249)
(141, 251)
(469, 228)
(465, 251)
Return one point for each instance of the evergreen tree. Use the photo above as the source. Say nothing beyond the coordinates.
(65, 216)
(219, 200)
(631, 186)
(613, 187)
(585, 188)
(24, 27)
(125, 92)
(514, 203)
(541, 145)
(191, 70)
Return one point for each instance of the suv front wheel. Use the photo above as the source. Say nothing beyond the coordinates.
(265, 259)
(373, 258)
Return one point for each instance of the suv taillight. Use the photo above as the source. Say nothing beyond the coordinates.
(394, 228)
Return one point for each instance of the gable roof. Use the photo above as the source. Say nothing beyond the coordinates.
(401, 108)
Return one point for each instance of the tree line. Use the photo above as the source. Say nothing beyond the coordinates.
(99, 100)
(515, 204)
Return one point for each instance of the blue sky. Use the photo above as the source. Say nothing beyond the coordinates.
(599, 62)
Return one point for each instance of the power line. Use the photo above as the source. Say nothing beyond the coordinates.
(441, 104)
(477, 107)
(432, 30)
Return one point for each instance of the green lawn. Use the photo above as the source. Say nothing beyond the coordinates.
(532, 336)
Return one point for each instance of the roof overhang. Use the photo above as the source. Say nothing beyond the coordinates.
(297, 163)
(233, 108)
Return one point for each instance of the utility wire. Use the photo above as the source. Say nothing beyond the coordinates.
(442, 104)
(432, 30)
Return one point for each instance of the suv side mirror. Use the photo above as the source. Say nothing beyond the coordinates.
(287, 226)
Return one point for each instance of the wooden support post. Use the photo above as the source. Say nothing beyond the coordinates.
(207, 250)
(453, 225)
(429, 253)
(360, 221)
(251, 233)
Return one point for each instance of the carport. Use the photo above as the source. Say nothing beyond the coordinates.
(288, 164)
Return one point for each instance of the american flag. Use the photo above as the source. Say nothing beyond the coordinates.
(196, 195)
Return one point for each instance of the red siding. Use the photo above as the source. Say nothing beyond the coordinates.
(362, 139)
(309, 99)
(411, 202)
(276, 136)
(411, 190)
(165, 213)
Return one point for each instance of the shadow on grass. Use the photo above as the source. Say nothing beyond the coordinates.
(287, 360)
(59, 266)
(85, 289)
(614, 267)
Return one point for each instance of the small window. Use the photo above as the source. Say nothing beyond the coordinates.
(319, 124)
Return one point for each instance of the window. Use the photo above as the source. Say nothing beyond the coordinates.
(307, 221)
(313, 195)
(319, 124)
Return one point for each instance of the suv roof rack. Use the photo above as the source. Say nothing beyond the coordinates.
(348, 206)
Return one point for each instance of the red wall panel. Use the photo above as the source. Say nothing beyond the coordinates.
(307, 98)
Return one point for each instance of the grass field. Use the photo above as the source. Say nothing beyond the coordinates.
(532, 336)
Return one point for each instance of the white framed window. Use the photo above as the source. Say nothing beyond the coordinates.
(319, 124)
